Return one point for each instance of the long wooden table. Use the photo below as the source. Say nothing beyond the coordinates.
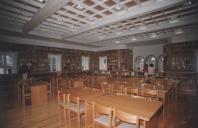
(164, 90)
(85, 93)
(146, 109)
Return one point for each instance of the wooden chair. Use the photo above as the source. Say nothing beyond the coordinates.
(76, 106)
(132, 91)
(62, 104)
(118, 88)
(153, 94)
(102, 116)
(62, 99)
(106, 87)
(125, 120)
(78, 83)
(53, 82)
(62, 84)
(26, 92)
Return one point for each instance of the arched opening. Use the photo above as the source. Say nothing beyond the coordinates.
(139, 63)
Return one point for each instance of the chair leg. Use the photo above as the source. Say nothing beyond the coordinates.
(69, 118)
(78, 120)
(65, 118)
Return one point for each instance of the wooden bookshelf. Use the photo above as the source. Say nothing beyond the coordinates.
(180, 63)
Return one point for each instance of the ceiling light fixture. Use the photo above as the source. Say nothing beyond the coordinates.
(41, 1)
(59, 18)
(159, 0)
(142, 27)
(101, 37)
(117, 41)
(118, 8)
(121, 12)
(134, 39)
(153, 35)
(188, 2)
(80, 7)
(174, 20)
(90, 19)
(178, 31)
(118, 33)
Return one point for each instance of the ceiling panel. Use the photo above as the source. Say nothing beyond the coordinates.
(77, 20)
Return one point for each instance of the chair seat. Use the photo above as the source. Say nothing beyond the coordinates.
(62, 104)
(74, 107)
(104, 120)
(127, 125)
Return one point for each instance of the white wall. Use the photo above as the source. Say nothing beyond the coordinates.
(145, 51)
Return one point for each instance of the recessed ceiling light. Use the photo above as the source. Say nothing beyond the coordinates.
(59, 18)
(178, 31)
(134, 39)
(159, 0)
(187, 3)
(174, 20)
(153, 35)
(118, 33)
(90, 19)
(41, 1)
(121, 12)
(101, 37)
(80, 7)
(117, 41)
(118, 8)
(143, 27)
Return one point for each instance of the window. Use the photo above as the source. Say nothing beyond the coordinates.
(161, 64)
(8, 63)
(103, 63)
(54, 63)
(85, 63)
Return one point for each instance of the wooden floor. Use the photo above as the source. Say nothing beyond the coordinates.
(181, 114)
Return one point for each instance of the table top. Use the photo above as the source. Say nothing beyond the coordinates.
(160, 88)
(39, 84)
(142, 107)
(84, 93)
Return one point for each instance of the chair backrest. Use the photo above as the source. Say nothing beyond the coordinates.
(61, 97)
(62, 83)
(118, 87)
(131, 91)
(102, 110)
(151, 93)
(106, 87)
(125, 117)
(73, 99)
(78, 83)
(134, 91)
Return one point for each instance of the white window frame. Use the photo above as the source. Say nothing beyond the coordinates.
(57, 64)
(103, 63)
(85, 63)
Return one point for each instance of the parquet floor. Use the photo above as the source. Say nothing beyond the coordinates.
(181, 114)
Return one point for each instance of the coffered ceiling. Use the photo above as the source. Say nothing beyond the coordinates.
(98, 23)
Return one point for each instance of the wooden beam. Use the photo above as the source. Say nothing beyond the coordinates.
(50, 8)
